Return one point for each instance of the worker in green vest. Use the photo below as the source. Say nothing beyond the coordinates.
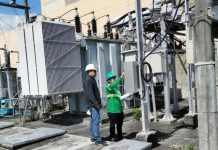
(115, 108)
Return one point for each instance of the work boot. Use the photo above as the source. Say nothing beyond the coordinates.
(108, 139)
(93, 140)
(101, 143)
(119, 139)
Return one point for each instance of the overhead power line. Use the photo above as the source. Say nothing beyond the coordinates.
(7, 24)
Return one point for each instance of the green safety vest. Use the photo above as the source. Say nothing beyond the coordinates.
(113, 96)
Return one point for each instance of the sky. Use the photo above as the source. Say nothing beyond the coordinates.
(11, 17)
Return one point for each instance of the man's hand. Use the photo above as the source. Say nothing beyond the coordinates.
(122, 75)
(96, 105)
(100, 106)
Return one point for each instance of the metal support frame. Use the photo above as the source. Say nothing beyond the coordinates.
(153, 101)
(190, 68)
(187, 10)
(10, 94)
(192, 103)
(181, 62)
(190, 39)
(22, 119)
(150, 115)
(174, 83)
(167, 116)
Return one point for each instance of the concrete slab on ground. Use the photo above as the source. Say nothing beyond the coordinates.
(68, 142)
(129, 145)
(6, 124)
(181, 138)
(18, 136)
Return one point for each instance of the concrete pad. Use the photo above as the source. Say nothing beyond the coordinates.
(13, 130)
(68, 142)
(18, 136)
(6, 124)
(129, 145)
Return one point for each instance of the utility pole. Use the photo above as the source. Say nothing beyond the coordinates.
(205, 78)
(26, 10)
(139, 29)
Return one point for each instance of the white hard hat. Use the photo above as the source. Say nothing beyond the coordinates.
(90, 67)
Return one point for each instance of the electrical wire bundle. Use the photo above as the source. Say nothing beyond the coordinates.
(148, 76)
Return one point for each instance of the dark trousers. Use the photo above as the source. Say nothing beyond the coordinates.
(116, 119)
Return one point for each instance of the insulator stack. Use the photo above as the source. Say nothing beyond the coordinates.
(89, 30)
(77, 24)
(94, 26)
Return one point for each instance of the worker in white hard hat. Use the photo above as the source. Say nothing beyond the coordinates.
(92, 95)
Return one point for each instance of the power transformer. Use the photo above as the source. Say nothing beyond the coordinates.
(50, 60)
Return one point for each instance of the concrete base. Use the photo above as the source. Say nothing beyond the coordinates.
(166, 121)
(19, 136)
(191, 120)
(6, 124)
(129, 145)
(176, 109)
(68, 142)
(191, 114)
(150, 117)
(143, 136)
